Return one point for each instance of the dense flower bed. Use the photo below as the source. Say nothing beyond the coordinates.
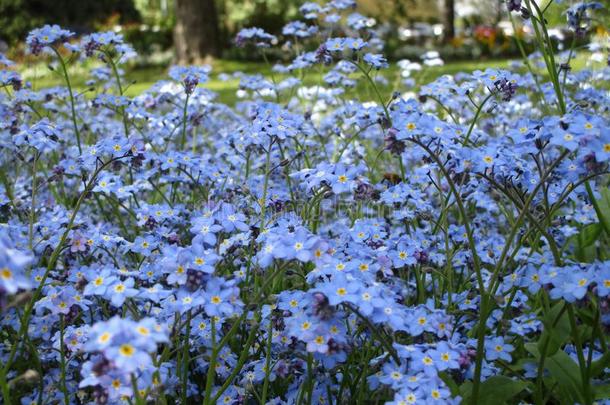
(305, 247)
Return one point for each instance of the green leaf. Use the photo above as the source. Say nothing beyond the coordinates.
(567, 374)
(453, 387)
(602, 391)
(602, 206)
(564, 371)
(589, 235)
(495, 390)
(599, 365)
(499, 389)
(584, 248)
(557, 332)
(466, 391)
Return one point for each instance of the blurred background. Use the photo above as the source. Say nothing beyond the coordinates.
(466, 33)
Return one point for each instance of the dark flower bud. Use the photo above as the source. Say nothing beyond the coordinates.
(323, 55)
(525, 13)
(72, 314)
(513, 5)
(100, 396)
(151, 223)
(194, 279)
(102, 367)
(392, 144)
(384, 122)
(365, 192)
(421, 257)
(174, 239)
(321, 306)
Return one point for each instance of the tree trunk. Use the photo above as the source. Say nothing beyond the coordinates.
(449, 20)
(196, 37)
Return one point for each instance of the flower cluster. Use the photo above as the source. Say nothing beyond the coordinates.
(121, 350)
(13, 263)
(42, 39)
(442, 243)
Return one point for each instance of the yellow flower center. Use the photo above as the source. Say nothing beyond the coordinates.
(126, 350)
(6, 274)
(104, 337)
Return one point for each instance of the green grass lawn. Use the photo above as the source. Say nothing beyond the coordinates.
(141, 78)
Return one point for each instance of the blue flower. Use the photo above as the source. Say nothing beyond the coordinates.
(335, 44)
(495, 349)
(190, 76)
(570, 284)
(255, 36)
(40, 39)
(119, 291)
(12, 264)
(377, 61)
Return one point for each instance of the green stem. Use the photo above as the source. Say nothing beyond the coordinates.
(119, 85)
(240, 363)
(184, 121)
(63, 386)
(310, 382)
(209, 381)
(546, 47)
(476, 118)
(185, 358)
(598, 211)
(375, 89)
(267, 363)
(71, 94)
(33, 206)
(584, 374)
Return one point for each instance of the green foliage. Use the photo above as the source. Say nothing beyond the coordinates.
(565, 375)
(15, 20)
(18, 17)
(495, 390)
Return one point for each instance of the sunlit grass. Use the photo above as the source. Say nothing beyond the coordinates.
(142, 78)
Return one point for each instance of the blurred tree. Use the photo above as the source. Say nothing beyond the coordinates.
(449, 20)
(196, 36)
(400, 11)
(17, 17)
(158, 13)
